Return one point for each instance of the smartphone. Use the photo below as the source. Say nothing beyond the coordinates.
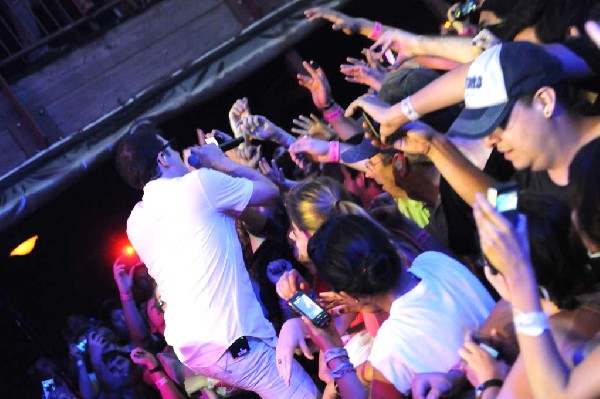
(505, 198)
(304, 305)
(82, 345)
(48, 386)
(372, 126)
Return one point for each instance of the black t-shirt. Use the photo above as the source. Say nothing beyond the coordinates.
(462, 232)
(539, 182)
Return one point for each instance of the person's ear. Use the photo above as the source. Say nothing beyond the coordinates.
(545, 101)
(162, 159)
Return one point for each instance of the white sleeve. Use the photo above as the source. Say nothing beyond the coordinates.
(224, 192)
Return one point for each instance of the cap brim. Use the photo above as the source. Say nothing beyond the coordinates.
(479, 122)
(364, 150)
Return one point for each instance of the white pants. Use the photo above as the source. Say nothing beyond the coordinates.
(257, 372)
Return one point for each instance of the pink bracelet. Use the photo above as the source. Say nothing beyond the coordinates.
(161, 383)
(376, 31)
(333, 113)
(334, 151)
(126, 297)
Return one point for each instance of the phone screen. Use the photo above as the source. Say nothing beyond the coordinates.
(48, 386)
(303, 304)
(505, 198)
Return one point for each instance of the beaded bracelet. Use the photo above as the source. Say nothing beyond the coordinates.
(376, 31)
(161, 383)
(334, 151)
(334, 353)
(408, 110)
(342, 369)
(333, 113)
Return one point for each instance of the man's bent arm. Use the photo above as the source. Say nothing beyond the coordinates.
(264, 191)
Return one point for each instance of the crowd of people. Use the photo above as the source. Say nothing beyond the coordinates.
(380, 213)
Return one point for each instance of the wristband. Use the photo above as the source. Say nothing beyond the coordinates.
(126, 297)
(408, 110)
(488, 384)
(333, 113)
(376, 32)
(531, 324)
(334, 151)
(334, 353)
(342, 369)
(161, 383)
(329, 104)
(156, 369)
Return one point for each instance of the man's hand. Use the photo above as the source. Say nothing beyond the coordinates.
(291, 337)
(238, 111)
(123, 277)
(317, 83)
(312, 127)
(343, 22)
(359, 71)
(398, 40)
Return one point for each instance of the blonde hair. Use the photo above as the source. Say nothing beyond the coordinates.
(313, 201)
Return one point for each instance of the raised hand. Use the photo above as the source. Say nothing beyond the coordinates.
(274, 173)
(343, 22)
(359, 71)
(123, 275)
(144, 358)
(312, 127)
(317, 83)
(239, 110)
(258, 126)
(400, 41)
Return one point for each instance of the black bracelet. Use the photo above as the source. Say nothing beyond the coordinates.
(156, 369)
(494, 382)
(329, 104)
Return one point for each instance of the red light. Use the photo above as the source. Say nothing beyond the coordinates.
(128, 250)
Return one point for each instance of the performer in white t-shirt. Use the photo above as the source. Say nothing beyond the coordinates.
(184, 231)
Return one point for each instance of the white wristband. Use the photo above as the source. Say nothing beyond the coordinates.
(531, 324)
(408, 110)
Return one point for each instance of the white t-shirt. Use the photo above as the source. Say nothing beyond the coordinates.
(183, 231)
(427, 325)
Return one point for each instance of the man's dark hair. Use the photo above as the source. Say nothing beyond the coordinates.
(354, 255)
(585, 190)
(136, 155)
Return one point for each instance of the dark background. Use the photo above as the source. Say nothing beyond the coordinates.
(81, 232)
